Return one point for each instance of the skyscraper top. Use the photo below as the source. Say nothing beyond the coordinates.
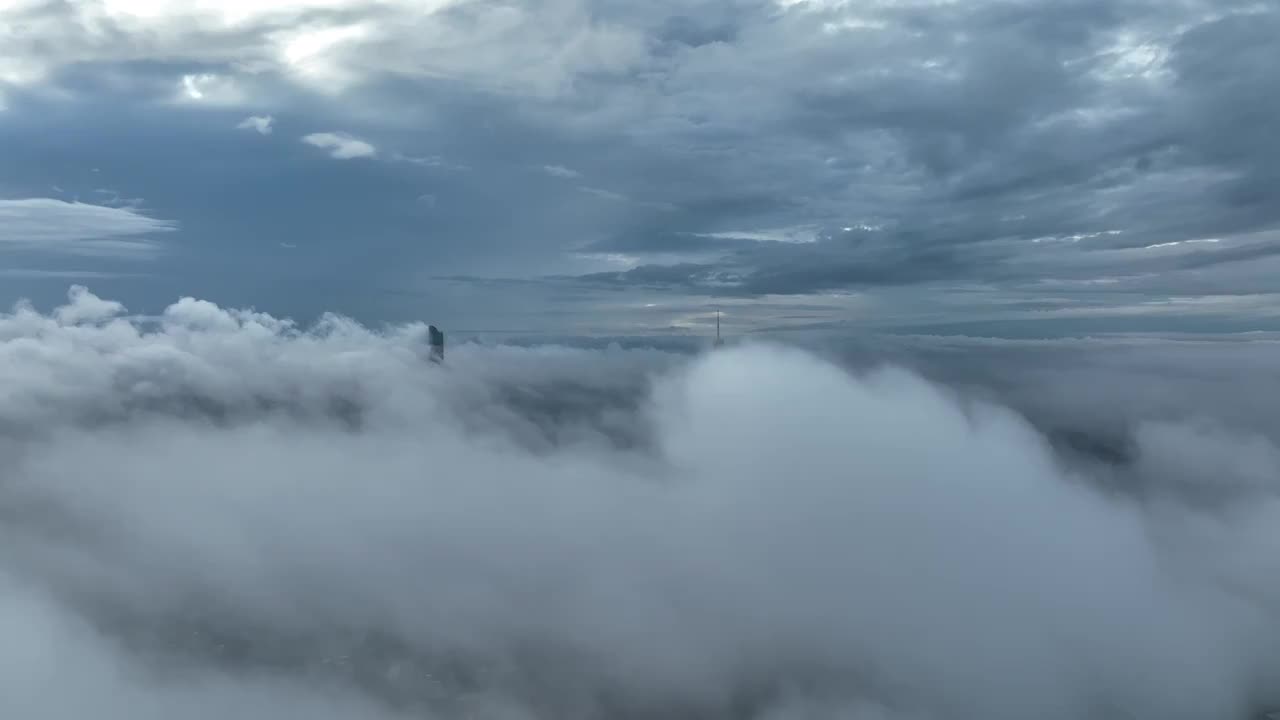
(436, 338)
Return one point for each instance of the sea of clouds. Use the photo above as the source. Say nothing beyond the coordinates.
(215, 513)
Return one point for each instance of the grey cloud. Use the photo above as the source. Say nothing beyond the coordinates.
(1141, 417)
(1045, 128)
(964, 133)
(835, 260)
(691, 276)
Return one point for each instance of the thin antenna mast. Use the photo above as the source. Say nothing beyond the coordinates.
(719, 341)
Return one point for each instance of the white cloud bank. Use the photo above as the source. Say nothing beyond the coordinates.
(340, 145)
(75, 228)
(221, 513)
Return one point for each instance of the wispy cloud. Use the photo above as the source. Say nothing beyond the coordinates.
(76, 228)
(114, 198)
(209, 89)
(561, 171)
(614, 196)
(796, 234)
(428, 161)
(603, 193)
(341, 146)
(43, 274)
(258, 123)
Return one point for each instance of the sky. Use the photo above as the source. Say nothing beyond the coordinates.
(586, 167)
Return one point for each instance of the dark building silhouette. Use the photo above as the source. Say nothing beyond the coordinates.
(437, 343)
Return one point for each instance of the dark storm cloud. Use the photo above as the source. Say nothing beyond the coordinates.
(1036, 123)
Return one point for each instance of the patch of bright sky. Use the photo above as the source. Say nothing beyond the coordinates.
(312, 55)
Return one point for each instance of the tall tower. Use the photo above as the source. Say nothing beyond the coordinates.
(719, 340)
(436, 339)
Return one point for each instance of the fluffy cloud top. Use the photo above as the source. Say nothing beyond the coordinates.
(220, 511)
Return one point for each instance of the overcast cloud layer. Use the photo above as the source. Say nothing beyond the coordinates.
(215, 513)
(1082, 162)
